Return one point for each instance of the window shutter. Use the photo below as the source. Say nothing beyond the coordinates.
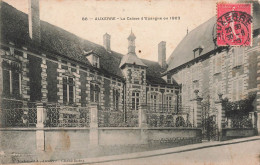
(234, 90)
(148, 97)
(240, 88)
(240, 54)
(213, 91)
(234, 58)
(15, 83)
(219, 89)
(6, 82)
(160, 97)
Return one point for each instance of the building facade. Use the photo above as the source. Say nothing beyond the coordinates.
(229, 72)
(43, 63)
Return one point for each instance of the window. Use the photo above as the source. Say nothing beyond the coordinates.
(216, 64)
(136, 80)
(169, 79)
(154, 101)
(197, 51)
(11, 83)
(135, 100)
(94, 93)
(116, 96)
(169, 102)
(237, 89)
(217, 89)
(95, 61)
(68, 90)
(195, 74)
(238, 54)
(136, 75)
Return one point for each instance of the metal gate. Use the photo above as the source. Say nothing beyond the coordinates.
(209, 124)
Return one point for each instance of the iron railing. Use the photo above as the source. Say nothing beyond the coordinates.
(109, 117)
(66, 116)
(162, 115)
(19, 117)
(239, 121)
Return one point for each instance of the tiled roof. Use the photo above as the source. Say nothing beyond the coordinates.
(202, 36)
(199, 37)
(131, 58)
(14, 28)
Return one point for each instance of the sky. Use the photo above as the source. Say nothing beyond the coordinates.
(68, 14)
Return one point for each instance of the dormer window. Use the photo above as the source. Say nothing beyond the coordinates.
(95, 61)
(93, 58)
(197, 51)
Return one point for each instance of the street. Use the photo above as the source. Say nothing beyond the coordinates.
(245, 153)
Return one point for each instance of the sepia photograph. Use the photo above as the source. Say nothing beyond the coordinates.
(120, 82)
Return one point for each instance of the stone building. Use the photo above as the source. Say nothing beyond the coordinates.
(44, 63)
(197, 63)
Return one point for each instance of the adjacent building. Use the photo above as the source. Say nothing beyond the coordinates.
(197, 63)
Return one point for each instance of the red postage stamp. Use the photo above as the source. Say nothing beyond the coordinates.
(234, 24)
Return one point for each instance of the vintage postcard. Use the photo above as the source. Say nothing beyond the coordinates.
(172, 82)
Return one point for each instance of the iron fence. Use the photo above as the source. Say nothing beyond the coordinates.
(156, 119)
(110, 117)
(19, 117)
(162, 108)
(163, 115)
(56, 115)
(66, 116)
(239, 121)
(132, 118)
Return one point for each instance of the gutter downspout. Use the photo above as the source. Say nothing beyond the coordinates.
(124, 102)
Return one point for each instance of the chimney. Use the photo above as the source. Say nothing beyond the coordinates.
(162, 54)
(106, 41)
(34, 21)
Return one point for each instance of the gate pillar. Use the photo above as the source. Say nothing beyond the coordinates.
(142, 116)
(40, 135)
(258, 93)
(93, 132)
(197, 110)
(220, 115)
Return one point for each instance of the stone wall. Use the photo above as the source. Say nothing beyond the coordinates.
(18, 141)
(232, 133)
(66, 140)
(23, 141)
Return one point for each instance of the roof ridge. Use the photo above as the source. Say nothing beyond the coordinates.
(58, 41)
